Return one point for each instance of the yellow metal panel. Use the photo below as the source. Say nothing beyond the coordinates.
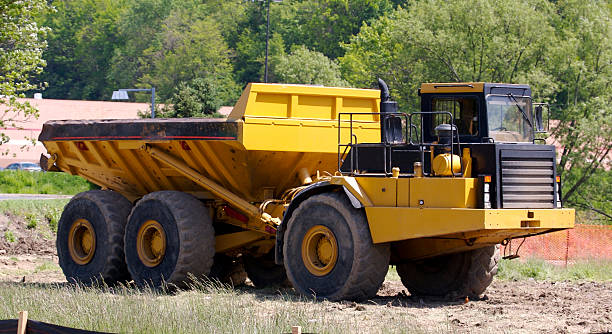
(403, 192)
(443, 192)
(291, 135)
(477, 87)
(226, 242)
(301, 101)
(394, 224)
(319, 107)
(381, 191)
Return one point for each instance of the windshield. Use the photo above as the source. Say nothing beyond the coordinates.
(509, 118)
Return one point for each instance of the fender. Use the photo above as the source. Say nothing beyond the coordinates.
(314, 189)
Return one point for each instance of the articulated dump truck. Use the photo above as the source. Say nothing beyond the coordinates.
(321, 187)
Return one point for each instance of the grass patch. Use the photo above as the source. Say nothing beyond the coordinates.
(392, 274)
(9, 236)
(35, 212)
(541, 270)
(47, 266)
(23, 182)
(31, 221)
(208, 308)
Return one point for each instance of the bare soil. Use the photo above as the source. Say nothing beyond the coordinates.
(525, 306)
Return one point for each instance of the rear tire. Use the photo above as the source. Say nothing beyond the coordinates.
(102, 216)
(328, 250)
(466, 274)
(185, 229)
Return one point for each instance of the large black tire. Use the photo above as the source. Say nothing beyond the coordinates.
(466, 274)
(263, 271)
(360, 266)
(189, 237)
(106, 212)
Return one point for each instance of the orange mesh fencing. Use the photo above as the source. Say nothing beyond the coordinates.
(584, 242)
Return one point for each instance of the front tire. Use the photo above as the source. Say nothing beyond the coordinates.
(90, 237)
(169, 236)
(465, 274)
(328, 250)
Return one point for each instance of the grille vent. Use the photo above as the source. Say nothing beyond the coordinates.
(527, 179)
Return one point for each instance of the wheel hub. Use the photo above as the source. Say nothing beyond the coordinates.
(151, 243)
(319, 250)
(81, 241)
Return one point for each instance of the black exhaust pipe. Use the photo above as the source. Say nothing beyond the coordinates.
(386, 106)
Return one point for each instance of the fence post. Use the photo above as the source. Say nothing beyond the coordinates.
(567, 238)
(22, 323)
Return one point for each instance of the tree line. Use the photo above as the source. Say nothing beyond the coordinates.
(200, 54)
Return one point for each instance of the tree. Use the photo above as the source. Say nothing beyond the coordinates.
(189, 46)
(84, 36)
(583, 69)
(201, 97)
(303, 66)
(325, 24)
(465, 40)
(22, 42)
(137, 29)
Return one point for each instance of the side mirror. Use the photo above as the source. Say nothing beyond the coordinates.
(538, 121)
(539, 117)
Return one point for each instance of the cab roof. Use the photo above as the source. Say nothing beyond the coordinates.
(475, 87)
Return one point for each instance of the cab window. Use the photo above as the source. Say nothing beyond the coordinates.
(464, 111)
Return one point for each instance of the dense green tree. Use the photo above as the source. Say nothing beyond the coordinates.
(22, 42)
(84, 35)
(323, 25)
(137, 30)
(582, 67)
(303, 66)
(201, 97)
(463, 40)
(189, 46)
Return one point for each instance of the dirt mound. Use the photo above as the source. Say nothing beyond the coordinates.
(17, 239)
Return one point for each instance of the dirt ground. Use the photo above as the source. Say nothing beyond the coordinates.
(526, 306)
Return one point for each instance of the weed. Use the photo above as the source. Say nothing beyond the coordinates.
(53, 216)
(31, 221)
(9, 236)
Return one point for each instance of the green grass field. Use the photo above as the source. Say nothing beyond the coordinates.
(593, 270)
(22, 182)
(208, 308)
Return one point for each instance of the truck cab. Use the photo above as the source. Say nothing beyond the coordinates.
(489, 126)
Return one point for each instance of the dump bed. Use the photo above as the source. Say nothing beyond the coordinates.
(272, 133)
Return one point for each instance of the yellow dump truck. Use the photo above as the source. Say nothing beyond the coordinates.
(323, 187)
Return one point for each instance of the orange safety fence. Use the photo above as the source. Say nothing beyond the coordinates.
(584, 242)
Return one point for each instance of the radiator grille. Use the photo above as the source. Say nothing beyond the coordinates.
(527, 179)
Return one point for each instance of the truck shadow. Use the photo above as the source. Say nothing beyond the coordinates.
(400, 299)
